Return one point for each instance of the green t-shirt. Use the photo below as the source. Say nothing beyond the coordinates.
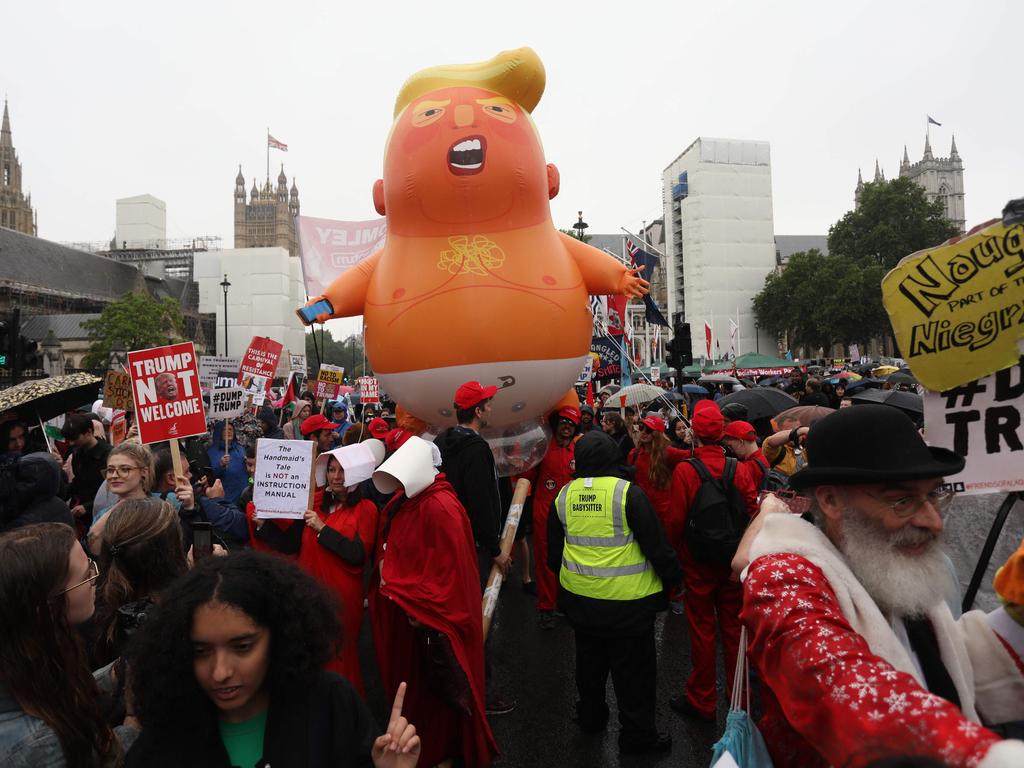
(244, 740)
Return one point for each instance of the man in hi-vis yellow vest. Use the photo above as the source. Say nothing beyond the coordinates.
(614, 566)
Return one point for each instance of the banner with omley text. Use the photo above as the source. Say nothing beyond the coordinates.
(328, 248)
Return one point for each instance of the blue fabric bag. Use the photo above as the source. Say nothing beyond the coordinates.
(741, 739)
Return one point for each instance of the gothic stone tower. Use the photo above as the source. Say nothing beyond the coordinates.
(941, 178)
(268, 219)
(15, 208)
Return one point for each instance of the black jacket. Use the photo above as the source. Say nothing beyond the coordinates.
(468, 464)
(325, 725)
(597, 455)
(37, 482)
(89, 465)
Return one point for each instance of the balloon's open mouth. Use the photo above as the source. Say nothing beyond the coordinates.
(467, 156)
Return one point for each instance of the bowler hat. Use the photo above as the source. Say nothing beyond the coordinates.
(870, 444)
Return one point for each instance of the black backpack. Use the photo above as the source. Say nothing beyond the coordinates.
(771, 478)
(718, 516)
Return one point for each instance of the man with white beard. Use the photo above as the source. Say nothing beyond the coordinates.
(859, 654)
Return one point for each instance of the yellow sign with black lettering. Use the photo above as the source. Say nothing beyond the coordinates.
(958, 309)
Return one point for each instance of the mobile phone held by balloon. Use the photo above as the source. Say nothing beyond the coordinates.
(202, 540)
(308, 315)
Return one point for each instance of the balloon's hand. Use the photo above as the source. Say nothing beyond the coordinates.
(317, 310)
(631, 285)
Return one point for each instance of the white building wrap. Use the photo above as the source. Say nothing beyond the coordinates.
(720, 239)
(266, 288)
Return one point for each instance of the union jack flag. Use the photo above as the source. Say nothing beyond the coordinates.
(275, 144)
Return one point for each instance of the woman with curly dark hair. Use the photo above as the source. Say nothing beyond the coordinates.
(140, 555)
(228, 671)
(333, 541)
(49, 715)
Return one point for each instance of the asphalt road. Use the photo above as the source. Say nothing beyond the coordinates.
(535, 667)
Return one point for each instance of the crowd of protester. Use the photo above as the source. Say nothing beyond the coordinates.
(153, 617)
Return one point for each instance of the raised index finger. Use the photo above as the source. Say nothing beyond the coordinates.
(396, 708)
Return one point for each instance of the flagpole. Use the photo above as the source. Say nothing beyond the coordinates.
(268, 153)
(651, 246)
(739, 333)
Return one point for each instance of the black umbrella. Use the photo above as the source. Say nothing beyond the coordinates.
(902, 377)
(42, 399)
(911, 402)
(860, 384)
(761, 403)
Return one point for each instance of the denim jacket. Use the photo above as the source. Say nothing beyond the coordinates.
(28, 742)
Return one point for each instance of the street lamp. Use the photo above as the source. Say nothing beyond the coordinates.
(757, 338)
(118, 356)
(225, 285)
(580, 226)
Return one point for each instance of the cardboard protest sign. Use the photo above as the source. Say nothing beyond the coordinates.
(588, 370)
(982, 421)
(282, 481)
(228, 403)
(958, 309)
(258, 365)
(297, 363)
(215, 368)
(117, 391)
(328, 379)
(655, 373)
(118, 428)
(168, 401)
(369, 390)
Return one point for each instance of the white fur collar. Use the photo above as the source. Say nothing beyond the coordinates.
(786, 533)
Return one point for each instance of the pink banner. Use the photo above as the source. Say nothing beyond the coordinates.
(327, 248)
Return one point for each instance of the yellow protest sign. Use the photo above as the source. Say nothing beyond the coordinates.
(330, 374)
(958, 309)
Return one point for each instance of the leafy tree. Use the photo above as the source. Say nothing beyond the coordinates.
(136, 321)
(790, 302)
(820, 300)
(575, 234)
(894, 219)
(347, 353)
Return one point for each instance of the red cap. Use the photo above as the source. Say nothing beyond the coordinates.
(396, 438)
(707, 421)
(570, 413)
(315, 422)
(653, 423)
(472, 393)
(379, 428)
(740, 430)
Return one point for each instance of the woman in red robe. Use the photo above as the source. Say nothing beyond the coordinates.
(334, 542)
(425, 605)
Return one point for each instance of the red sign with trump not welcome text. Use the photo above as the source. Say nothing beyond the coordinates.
(165, 385)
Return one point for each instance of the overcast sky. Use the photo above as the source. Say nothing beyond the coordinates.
(114, 99)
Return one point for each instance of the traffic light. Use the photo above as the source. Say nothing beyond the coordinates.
(679, 351)
(5, 344)
(31, 357)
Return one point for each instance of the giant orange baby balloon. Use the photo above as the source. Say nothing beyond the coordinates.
(474, 281)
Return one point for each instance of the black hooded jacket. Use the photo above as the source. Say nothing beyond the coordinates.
(468, 464)
(37, 482)
(598, 455)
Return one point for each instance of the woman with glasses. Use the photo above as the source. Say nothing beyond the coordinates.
(140, 555)
(129, 474)
(49, 716)
(228, 671)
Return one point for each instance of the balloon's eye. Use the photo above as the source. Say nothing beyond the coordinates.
(502, 112)
(427, 116)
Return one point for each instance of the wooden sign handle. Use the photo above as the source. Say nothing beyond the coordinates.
(508, 539)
